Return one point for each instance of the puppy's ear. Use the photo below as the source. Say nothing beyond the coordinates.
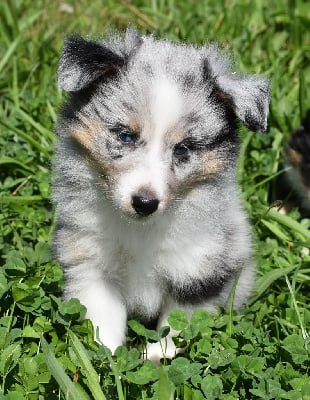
(250, 94)
(83, 61)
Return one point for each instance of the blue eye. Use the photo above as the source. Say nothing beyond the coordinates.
(127, 137)
(180, 150)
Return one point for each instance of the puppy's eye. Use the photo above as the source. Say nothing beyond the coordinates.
(180, 151)
(127, 137)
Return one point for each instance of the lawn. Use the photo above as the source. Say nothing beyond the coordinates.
(47, 350)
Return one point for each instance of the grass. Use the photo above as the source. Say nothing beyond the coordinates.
(47, 350)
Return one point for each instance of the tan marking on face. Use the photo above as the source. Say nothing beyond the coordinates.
(214, 163)
(294, 157)
(135, 125)
(84, 139)
(87, 132)
(175, 136)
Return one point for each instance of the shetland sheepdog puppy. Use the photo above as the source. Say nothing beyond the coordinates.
(148, 212)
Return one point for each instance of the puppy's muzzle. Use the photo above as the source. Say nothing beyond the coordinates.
(144, 205)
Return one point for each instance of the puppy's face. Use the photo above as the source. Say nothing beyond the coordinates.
(158, 125)
(153, 148)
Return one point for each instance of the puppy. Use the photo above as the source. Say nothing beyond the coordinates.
(148, 212)
(297, 157)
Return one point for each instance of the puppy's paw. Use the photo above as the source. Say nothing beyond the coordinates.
(163, 349)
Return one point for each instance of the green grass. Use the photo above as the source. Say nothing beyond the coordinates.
(47, 350)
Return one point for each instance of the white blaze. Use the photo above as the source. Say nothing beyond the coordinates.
(151, 170)
(166, 106)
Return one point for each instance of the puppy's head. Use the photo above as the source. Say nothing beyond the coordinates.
(156, 119)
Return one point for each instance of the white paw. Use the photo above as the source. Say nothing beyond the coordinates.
(112, 342)
(163, 349)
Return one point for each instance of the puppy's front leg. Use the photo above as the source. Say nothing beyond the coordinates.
(105, 309)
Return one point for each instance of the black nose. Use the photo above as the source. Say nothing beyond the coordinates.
(143, 205)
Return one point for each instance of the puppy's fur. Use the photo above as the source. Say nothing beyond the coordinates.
(149, 217)
(297, 157)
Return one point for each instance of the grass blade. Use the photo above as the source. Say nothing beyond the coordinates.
(27, 138)
(20, 199)
(305, 334)
(58, 372)
(87, 368)
(116, 376)
(5, 59)
(9, 160)
(24, 24)
(265, 281)
(230, 325)
(276, 230)
(287, 221)
(41, 129)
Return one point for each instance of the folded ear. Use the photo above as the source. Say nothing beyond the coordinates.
(249, 94)
(83, 61)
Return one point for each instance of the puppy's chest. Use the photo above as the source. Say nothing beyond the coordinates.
(144, 268)
(142, 287)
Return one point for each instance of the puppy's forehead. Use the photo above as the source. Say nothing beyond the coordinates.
(160, 92)
(166, 105)
(169, 79)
